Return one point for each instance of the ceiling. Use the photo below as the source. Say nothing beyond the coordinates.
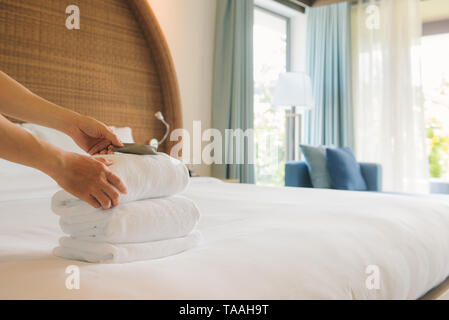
(434, 13)
(435, 10)
(431, 10)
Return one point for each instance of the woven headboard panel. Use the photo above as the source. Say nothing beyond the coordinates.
(116, 67)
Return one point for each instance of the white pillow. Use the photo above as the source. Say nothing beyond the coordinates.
(125, 134)
(54, 137)
(21, 182)
(64, 142)
(14, 170)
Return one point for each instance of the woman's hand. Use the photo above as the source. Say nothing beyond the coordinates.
(19, 102)
(92, 135)
(88, 179)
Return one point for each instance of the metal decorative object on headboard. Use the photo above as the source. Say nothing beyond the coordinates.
(117, 67)
(154, 142)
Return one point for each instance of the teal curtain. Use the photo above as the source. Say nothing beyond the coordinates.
(233, 87)
(328, 61)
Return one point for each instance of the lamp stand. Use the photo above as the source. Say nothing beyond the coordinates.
(293, 133)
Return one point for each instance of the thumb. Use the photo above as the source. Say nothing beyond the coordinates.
(111, 136)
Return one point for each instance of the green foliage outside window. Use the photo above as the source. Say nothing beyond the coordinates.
(270, 140)
(439, 147)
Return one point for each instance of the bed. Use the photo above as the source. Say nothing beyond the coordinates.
(259, 242)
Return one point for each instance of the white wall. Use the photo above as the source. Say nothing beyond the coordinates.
(189, 26)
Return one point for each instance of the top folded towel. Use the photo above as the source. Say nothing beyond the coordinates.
(146, 177)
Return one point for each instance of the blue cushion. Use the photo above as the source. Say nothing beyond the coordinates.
(316, 162)
(344, 169)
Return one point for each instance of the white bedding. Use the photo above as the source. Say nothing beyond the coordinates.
(258, 243)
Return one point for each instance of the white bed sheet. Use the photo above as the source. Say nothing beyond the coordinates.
(259, 243)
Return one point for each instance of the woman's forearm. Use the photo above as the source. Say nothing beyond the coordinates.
(18, 102)
(18, 145)
(84, 177)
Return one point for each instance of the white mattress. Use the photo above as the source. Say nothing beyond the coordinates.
(259, 243)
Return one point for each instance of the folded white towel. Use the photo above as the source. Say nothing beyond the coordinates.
(154, 227)
(139, 221)
(75, 249)
(146, 177)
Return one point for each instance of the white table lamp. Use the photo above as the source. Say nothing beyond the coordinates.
(293, 91)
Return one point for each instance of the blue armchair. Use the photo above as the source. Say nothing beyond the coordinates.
(297, 175)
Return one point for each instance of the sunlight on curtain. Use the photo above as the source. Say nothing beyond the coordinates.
(387, 92)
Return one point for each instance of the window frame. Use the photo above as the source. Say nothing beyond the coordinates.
(287, 19)
(288, 58)
(444, 177)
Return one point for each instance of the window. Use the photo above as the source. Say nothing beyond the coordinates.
(435, 62)
(271, 44)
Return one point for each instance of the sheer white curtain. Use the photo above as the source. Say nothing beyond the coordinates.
(387, 92)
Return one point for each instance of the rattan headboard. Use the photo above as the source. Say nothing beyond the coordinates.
(117, 67)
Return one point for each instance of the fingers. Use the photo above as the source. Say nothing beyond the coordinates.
(103, 199)
(102, 145)
(104, 161)
(116, 182)
(108, 194)
(112, 193)
(108, 134)
(107, 189)
(92, 201)
(109, 150)
(99, 149)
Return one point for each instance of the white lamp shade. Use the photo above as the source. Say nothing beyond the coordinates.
(294, 89)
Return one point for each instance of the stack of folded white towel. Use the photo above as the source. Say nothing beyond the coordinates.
(150, 222)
